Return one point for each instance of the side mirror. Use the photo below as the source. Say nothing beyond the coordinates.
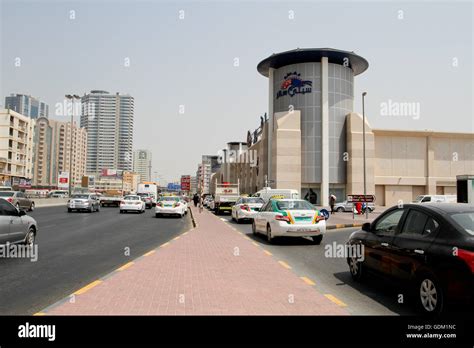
(366, 227)
(21, 213)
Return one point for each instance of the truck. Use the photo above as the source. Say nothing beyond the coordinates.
(268, 193)
(225, 196)
(149, 187)
(111, 198)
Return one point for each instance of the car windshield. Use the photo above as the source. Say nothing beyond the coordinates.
(132, 198)
(294, 205)
(143, 194)
(253, 200)
(465, 220)
(81, 196)
(6, 194)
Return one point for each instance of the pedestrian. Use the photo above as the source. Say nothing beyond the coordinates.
(332, 202)
(195, 200)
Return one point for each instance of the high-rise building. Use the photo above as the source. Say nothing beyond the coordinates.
(142, 164)
(209, 164)
(108, 119)
(52, 151)
(27, 105)
(16, 148)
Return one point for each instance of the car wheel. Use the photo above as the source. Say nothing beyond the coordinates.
(317, 239)
(356, 268)
(254, 228)
(30, 237)
(340, 209)
(32, 206)
(430, 295)
(269, 234)
(121, 211)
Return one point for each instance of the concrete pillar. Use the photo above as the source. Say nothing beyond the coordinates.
(324, 132)
(270, 123)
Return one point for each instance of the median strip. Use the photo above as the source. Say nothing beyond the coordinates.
(308, 281)
(284, 264)
(88, 287)
(124, 267)
(149, 253)
(267, 252)
(163, 245)
(335, 300)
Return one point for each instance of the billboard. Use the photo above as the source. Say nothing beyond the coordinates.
(173, 187)
(63, 180)
(185, 182)
(111, 173)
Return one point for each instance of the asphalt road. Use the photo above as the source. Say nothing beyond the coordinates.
(331, 274)
(77, 248)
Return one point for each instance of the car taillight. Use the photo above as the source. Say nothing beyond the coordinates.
(319, 218)
(122, 202)
(10, 199)
(177, 204)
(280, 217)
(245, 207)
(468, 257)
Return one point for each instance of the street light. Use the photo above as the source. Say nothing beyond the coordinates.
(363, 150)
(71, 98)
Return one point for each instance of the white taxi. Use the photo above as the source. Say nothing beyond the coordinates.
(132, 203)
(170, 205)
(246, 208)
(289, 218)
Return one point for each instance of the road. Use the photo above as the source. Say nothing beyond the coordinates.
(77, 248)
(331, 274)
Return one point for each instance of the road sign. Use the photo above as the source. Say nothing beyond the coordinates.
(324, 213)
(360, 198)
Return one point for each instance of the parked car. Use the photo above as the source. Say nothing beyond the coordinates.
(83, 201)
(246, 208)
(18, 199)
(132, 203)
(347, 207)
(427, 248)
(435, 199)
(289, 218)
(15, 225)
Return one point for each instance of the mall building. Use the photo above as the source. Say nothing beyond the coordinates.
(312, 138)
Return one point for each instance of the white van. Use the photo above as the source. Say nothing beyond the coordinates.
(435, 199)
(268, 193)
(6, 188)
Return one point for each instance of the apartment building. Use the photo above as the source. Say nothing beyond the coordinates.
(142, 164)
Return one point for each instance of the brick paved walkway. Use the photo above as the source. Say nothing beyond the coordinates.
(212, 269)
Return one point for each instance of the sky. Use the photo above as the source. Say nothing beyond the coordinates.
(178, 60)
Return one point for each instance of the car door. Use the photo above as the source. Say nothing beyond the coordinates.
(411, 245)
(4, 223)
(260, 217)
(234, 207)
(22, 200)
(17, 228)
(378, 244)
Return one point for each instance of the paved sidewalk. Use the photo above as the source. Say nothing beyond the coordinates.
(210, 270)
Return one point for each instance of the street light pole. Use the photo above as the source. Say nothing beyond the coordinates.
(363, 150)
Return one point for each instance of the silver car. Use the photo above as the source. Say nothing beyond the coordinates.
(347, 206)
(83, 201)
(15, 225)
(18, 199)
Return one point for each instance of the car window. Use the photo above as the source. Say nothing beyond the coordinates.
(465, 220)
(388, 223)
(239, 201)
(431, 226)
(294, 205)
(7, 209)
(265, 207)
(426, 199)
(252, 200)
(414, 223)
(6, 193)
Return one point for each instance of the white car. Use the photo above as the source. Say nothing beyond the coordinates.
(170, 205)
(289, 218)
(132, 203)
(246, 208)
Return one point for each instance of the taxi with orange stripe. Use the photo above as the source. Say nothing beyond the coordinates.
(289, 218)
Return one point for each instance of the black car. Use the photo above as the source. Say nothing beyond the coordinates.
(428, 249)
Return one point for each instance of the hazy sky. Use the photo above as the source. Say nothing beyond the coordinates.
(418, 52)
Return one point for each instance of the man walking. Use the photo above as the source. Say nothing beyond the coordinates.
(332, 202)
(196, 200)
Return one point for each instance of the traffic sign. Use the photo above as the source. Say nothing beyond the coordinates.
(360, 198)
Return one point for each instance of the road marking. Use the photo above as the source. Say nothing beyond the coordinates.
(185, 233)
(149, 253)
(335, 300)
(176, 238)
(308, 281)
(39, 314)
(124, 267)
(163, 245)
(223, 219)
(284, 264)
(267, 252)
(255, 244)
(87, 287)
